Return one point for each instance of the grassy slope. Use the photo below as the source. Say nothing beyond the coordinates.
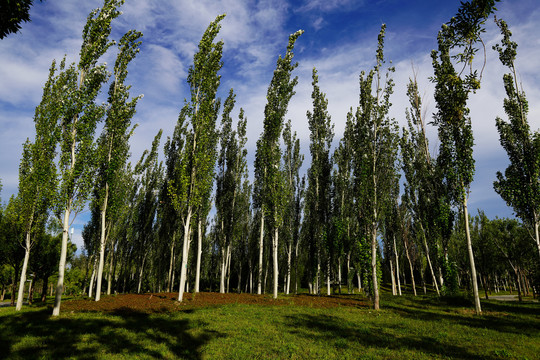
(406, 328)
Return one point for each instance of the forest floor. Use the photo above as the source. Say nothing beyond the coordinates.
(244, 326)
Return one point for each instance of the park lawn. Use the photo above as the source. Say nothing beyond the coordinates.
(406, 327)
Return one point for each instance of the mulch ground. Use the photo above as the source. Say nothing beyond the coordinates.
(167, 302)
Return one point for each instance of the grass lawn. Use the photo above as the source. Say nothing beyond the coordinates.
(406, 327)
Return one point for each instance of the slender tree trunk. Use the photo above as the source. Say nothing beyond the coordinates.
(288, 281)
(92, 278)
(31, 292)
(171, 263)
(185, 255)
(102, 244)
(328, 291)
(477, 305)
(393, 278)
(275, 260)
(43, 289)
(23, 273)
(536, 234)
(261, 247)
(376, 305)
(339, 274)
(397, 266)
(433, 277)
(296, 266)
(411, 269)
(62, 263)
(111, 269)
(359, 279)
(199, 255)
(223, 270)
(228, 267)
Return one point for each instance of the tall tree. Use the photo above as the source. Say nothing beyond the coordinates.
(268, 176)
(462, 32)
(292, 162)
(37, 173)
(376, 154)
(231, 170)
(198, 159)
(343, 185)
(318, 197)
(113, 144)
(519, 186)
(78, 120)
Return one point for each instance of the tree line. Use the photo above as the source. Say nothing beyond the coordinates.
(194, 221)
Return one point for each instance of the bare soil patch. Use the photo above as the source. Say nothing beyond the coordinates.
(167, 302)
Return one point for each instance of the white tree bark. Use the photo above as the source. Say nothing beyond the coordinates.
(261, 247)
(397, 266)
(92, 278)
(477, 304)
(199, 255)
(23, 273)
(275, 258)
(102, 244)
(185, 254)
(62, 263)
(171, 264)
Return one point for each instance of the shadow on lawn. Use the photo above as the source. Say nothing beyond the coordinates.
(330, 329)
(512, 318)
(125, 333)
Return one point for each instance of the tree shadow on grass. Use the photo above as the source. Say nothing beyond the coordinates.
(508, 318)
(124, 333)
(333, 330)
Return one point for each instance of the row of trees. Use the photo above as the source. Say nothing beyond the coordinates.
(346, 216)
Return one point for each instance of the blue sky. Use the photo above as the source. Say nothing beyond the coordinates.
(340, 39)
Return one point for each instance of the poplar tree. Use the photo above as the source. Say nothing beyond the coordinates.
(292, 162)
(519, 186)
(452, 89)
(268, 176)
(198, 159)
(343, 191)
(37, 173)
(78, 120)
(114, 144)
(420, 174)
(376, 153)
(318, 197)
(231, 170)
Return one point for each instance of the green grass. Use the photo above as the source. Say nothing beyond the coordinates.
(424, 327)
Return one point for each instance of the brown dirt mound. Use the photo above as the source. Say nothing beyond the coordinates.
(166, 302)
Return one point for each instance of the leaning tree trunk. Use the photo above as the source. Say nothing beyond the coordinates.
(92, 278)
(397, 266)
(20, 296)
(411, 269)
(477, 305)
(429, 261)
(102, 243)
